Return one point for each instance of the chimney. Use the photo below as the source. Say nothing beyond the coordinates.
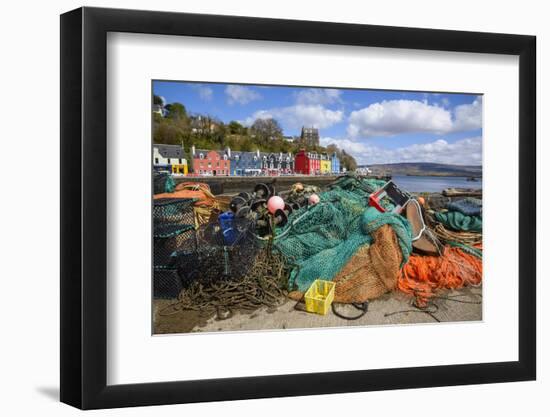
(228, 151)
(258, 153)
(193, 150)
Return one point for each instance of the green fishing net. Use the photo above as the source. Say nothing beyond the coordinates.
(318, 240)
(455, 220)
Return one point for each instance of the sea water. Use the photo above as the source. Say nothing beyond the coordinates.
(426, 184)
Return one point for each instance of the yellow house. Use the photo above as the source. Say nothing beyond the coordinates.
(170, 158)
(325, 167)
(180, 168)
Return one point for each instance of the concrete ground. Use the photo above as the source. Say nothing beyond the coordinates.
(392, 308)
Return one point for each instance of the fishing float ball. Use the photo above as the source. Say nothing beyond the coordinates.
(314, 199)
(298, 187)
(275, 203)
(421, 200)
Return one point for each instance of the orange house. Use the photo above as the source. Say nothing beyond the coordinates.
(207, 162)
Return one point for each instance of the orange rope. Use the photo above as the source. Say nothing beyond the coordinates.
(423, 275)
(199, 191)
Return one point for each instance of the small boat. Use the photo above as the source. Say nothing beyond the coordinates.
(461, 192)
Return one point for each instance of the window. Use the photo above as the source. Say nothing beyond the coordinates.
(179, 161)
(225, 157)
(156, 161)
(201, 156)
(169, 160)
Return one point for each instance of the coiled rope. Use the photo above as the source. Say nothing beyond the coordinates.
(422, 276)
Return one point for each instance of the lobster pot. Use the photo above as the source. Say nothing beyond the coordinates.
(173, 210)
(163, 182)
(166, 283)
(169, 239)
(214, 264)
(213, 259)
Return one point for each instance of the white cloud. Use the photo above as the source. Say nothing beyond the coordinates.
(468, 116)
(240, 94)
(392, 117)
(318, 96)
(462, 152)
(300, 115)
(205, 93)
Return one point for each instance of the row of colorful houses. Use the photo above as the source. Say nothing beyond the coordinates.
(229, 163)
(313, 163)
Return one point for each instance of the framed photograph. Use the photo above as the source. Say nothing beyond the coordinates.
(258, 208)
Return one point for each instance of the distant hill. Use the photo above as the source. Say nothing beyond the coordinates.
(427, 168)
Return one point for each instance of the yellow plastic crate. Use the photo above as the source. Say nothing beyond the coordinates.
(319, 296)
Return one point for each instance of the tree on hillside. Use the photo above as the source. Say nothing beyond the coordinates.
(346, 160)
(235, 128)
(174, 128)
(208, 127)
(176, 111)
(158, 100)
(167, 133)
(266, 130)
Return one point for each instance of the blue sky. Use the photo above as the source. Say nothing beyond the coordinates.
(376, 126)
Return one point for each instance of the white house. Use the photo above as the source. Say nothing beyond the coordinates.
(169, 157)
(363, 170)
(158, 109)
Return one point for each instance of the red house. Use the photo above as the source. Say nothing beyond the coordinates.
(307, 163)
(206, 162)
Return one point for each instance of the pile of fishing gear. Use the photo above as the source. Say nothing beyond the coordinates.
(258, 248)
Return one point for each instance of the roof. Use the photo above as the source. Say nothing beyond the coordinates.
(169, 151)
(207, 151)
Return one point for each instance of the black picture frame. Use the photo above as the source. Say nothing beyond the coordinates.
(84, 207)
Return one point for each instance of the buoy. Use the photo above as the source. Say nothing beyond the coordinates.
(421, 200)
(275, 203)
(314, 199)
(298, 187)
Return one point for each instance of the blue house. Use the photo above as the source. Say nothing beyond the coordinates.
(335, 164)
(245, 163)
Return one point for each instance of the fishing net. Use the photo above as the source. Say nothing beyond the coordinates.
(167, 283)
(205, 203)
(261, 285)
(468, 206)
(173, 211)
(173, 231)
(173, 228)
(199, 191)
(318, 240)
(163, 183)
(170, 238)
(218, 256)
(372, 271)
(455, 220)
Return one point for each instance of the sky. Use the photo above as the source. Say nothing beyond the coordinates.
(375, 126)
